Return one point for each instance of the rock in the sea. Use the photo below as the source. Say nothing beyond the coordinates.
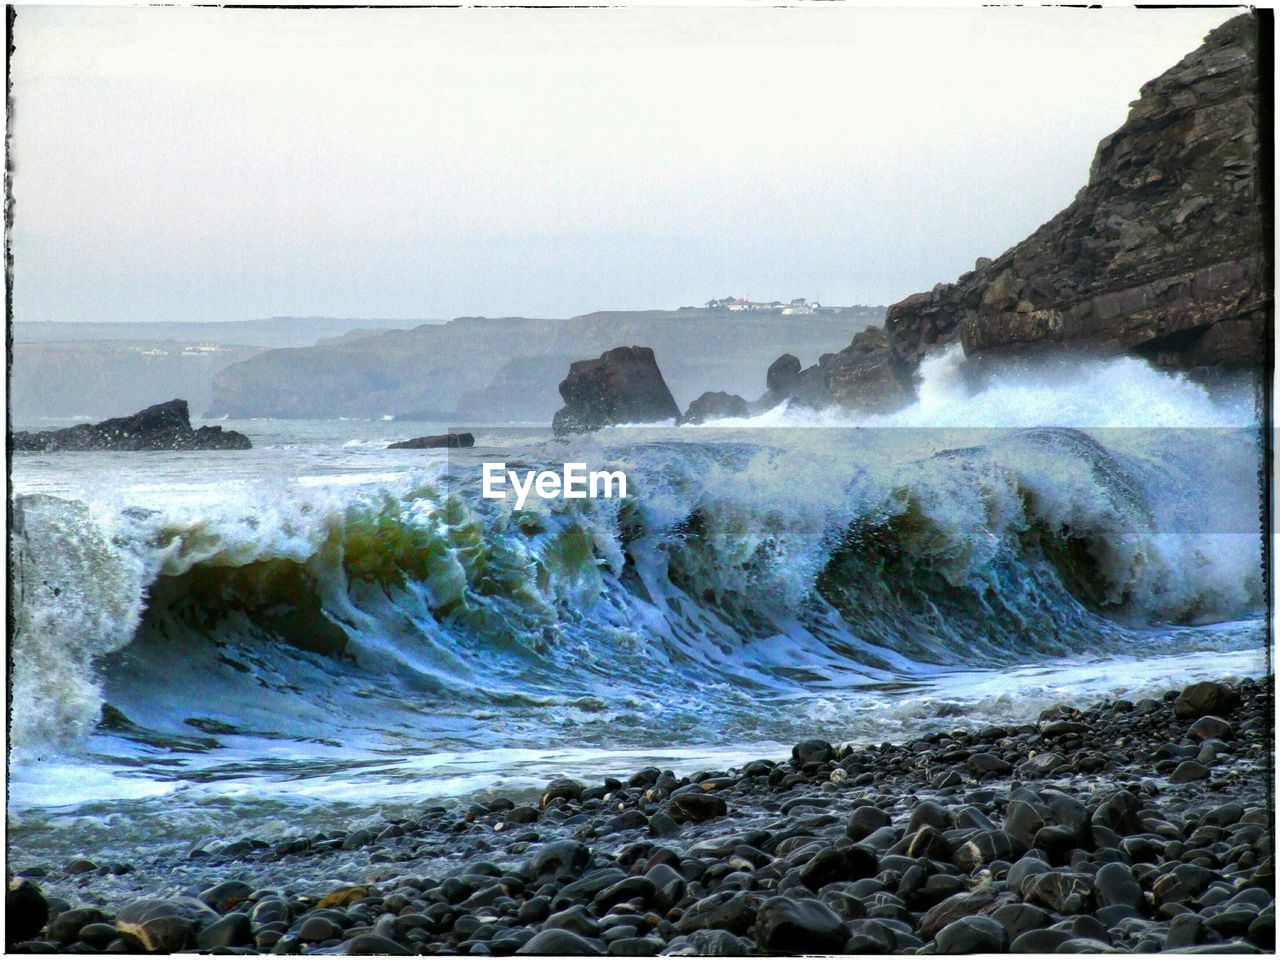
(783, 374)
(445, 441)
(866, 375)
(623, 385)
(163, 926)
(715, 406)
(25, 910)
(165, 426)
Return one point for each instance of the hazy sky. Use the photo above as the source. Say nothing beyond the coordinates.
(205, 164)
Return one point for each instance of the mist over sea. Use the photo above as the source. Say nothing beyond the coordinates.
(261, 642)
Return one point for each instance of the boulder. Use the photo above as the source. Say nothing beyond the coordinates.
(25, 910)
(439, 441)
(783, 375)
(696, 807)
(866, 376)
(974, 934)
(165, 426)
(1204, 699)
(163, 926)
(560, 943)
(623, 385)
(715, 406)
(799, 926)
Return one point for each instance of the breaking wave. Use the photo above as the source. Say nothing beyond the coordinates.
(794, 558)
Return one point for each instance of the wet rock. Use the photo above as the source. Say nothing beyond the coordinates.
(696, 807)
(623, 385)
(560, 943)
(1188, 771)
(984, 847)
(952, 909)
(1207, 697)
(1116, 884)
(929, 842)
(1040, 941)
(783, 375)
(715, 406)
(318, 929)
(233, 930)
(864, 821)
(1211, 728)
(1060, 892)
(440, 441)
(162, 926)
(564, 857)
(98, 935)
(575, 919)
(372, 945)
(223, 896)
(661, 825)
(1185, 931)
(1018, 918)
(974, 934)
(733, 912)
(798, 926)
(563, 788)
(25, 910)
(835, 864)
(66, 926)
(1022, 822)
(1119, 813)
(164, 426)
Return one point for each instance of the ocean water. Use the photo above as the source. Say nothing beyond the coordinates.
(269, 642)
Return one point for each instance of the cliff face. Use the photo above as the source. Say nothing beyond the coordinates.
(1161, 254)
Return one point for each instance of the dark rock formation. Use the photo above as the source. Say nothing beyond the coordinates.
(866, 375)
(436, 441)
(783, 374)
(165, 426)
(715, 406)
(1161, 254)
(623, 385)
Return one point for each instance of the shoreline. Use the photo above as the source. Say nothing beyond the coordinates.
(1124, 826)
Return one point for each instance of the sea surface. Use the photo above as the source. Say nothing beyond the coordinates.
(320, 629)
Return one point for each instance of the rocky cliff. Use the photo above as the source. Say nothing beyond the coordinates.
(1163, 254)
